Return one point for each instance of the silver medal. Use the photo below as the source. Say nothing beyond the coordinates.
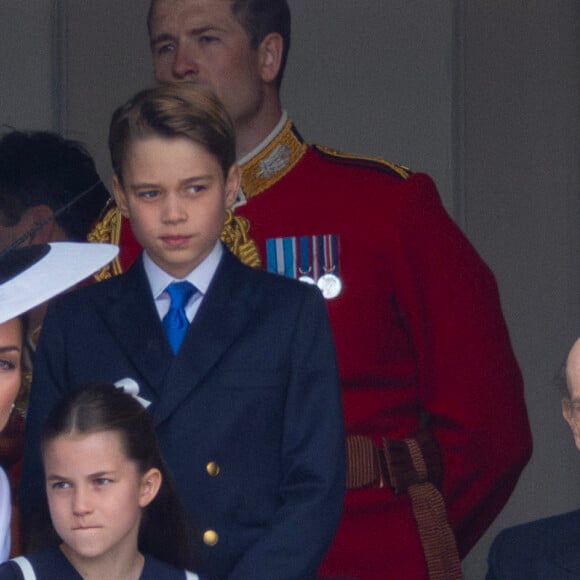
(330, 286)
(307, 279)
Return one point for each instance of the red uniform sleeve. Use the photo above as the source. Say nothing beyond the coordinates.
(468, 379)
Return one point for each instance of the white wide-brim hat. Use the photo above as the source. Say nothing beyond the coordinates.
(34, 274)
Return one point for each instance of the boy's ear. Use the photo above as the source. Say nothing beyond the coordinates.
(150, 485)
(233, 183)
(120, 196)
(270, 53)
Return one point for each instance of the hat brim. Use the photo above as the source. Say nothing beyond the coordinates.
(66, 264)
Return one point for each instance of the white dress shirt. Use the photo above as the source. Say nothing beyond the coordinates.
(200, 277)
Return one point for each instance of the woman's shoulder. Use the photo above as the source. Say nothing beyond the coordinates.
(154, 569)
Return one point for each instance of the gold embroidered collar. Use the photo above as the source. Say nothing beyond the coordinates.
(274, 161)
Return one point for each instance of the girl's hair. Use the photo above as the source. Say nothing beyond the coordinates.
(173, 110)
(103, 407)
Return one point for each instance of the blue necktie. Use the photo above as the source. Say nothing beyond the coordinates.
(175, 321)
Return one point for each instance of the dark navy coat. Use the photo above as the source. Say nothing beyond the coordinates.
(248, 412)
(547, 549)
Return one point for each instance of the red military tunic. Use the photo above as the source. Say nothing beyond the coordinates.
(419, 331)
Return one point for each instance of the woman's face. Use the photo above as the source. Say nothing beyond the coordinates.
(11, 340)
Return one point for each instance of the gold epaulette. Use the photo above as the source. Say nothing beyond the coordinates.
(235, 235)
(366, 161)
(108, 230)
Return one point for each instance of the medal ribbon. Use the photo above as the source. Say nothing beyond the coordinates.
(329, 250)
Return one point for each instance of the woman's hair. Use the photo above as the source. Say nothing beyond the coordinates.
(21, 401)
(103, 407)
(43, 168)
(171, 111)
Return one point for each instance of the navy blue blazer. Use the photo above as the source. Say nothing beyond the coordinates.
(547, 549)
(248, 412)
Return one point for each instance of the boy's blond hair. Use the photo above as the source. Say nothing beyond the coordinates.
(173, 110)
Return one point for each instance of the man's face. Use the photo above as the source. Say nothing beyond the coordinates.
(571, 407)
(201, 41)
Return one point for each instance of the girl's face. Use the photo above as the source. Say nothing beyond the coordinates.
(10, 366)
(95, 495)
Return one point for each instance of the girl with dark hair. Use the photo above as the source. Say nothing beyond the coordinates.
(111, 501)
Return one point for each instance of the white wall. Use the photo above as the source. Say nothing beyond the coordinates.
(522, 210)
(27, 64)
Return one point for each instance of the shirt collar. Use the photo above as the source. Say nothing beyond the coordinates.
(200, 277)
(263, 144)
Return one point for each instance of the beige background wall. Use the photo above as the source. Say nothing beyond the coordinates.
(482, 95)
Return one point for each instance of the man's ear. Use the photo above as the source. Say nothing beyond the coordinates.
(270, 53)
(232, 185)
(567, 413)
(150, 484)
(120, 196)
(37, 215)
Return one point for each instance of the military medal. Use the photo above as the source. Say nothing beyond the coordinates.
(305, 267)
(329, 283)
(330, 286)
(309, 259)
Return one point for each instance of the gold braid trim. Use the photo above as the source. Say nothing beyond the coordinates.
(108, 230)
(273, 162)
(235, 237)
(400, 170)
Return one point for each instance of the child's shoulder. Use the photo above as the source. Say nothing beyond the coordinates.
(155, 569)
(49, 563)
(84, 295)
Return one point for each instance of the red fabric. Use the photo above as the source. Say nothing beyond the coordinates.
(418, 326)
(129, 246)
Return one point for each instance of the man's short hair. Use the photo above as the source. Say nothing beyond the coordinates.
(258, 18)
(43, 168)
(173, 110)
(261, 17)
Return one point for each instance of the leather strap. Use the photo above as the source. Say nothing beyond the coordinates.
(412, 466)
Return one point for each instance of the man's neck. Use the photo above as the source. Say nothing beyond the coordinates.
(250, 133)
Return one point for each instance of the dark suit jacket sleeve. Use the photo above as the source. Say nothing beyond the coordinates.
(48, 387)
(515, 552)
(494, 559)
(313, 459)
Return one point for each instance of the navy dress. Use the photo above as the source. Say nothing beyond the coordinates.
(51, 564)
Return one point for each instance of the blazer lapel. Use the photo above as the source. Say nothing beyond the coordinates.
(130, 313)
(227, 307)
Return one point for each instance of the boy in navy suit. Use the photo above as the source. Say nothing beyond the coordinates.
(237, 365)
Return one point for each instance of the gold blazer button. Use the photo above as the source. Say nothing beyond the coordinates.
(210, 538)
(212, 468)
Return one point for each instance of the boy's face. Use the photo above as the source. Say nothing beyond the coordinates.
(175, 195)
